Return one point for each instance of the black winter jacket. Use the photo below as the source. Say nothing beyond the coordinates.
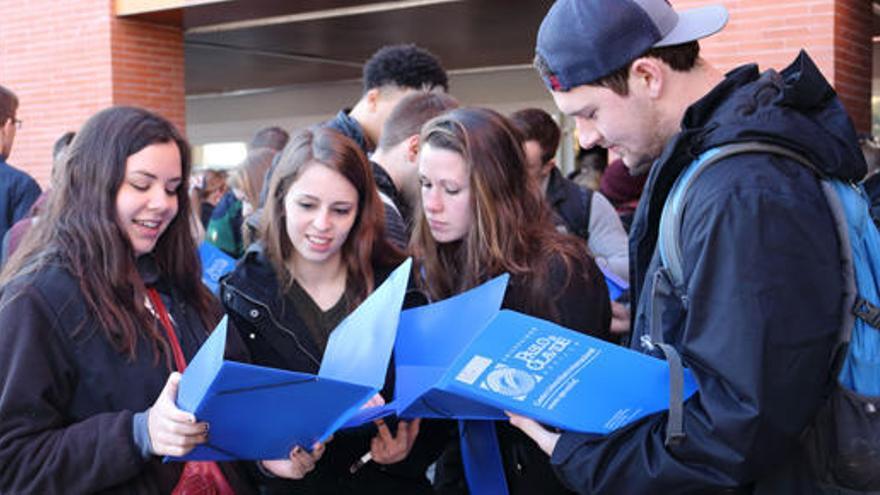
(763, 295)
(66, 401)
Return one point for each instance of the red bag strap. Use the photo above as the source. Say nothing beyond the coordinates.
(162, 313)
(198, 477)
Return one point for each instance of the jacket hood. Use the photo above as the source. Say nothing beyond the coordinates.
(795, 108)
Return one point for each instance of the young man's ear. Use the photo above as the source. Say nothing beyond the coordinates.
(372, 97)
(646, 76)
(413, 144)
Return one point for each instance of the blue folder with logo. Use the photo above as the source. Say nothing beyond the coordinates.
(465, 358)
(257, 412)
(215, 264)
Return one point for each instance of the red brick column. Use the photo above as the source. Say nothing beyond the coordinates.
(836, 34)
(65, 62)
(853, 58)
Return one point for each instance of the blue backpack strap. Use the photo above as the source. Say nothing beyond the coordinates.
(481, 457)
(670, 222)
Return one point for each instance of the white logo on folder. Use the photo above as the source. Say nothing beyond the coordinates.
(475, 367)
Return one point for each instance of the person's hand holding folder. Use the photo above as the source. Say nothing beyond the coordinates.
(297, 465)
(388, 448)
(172, 431)
(544, 438)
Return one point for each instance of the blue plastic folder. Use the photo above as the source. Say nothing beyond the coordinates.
(257, 412)
(215, 264)
(465, 358)
(616, 285)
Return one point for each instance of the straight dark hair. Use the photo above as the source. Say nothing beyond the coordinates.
(537, 125)
(366, 244)
(512, 229)
(80, 231)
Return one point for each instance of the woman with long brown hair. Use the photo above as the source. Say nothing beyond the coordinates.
(98, 306)
(483, 215)
(228, 228)
(321, 252)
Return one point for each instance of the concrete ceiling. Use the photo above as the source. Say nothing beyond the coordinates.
(243, 45)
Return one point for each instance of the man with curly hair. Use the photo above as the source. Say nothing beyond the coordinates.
(393, 72)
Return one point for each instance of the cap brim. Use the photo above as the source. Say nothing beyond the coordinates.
(694, 24)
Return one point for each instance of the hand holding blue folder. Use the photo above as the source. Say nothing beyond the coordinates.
(257, 412)
(465, 358)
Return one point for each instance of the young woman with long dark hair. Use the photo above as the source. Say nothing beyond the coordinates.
(321, 253)
(98, 307)
(483, 215)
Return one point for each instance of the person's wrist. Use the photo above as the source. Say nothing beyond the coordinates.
(264, 470)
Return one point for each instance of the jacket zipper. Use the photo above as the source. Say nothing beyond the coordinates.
(278, 324)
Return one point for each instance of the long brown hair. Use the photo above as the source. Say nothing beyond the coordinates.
(249, 176)
(366, 244)
(512, 229)
(80, 232)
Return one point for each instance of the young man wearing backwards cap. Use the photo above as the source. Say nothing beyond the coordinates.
(757, 315)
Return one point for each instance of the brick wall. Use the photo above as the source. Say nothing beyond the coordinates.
(836, 34)
(67, 63)
(853, 58)
(148, 68)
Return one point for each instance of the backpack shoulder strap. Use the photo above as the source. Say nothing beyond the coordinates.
(671, 276)
(669, 241)
(586, 195)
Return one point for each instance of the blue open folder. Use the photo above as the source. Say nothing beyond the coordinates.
(215, 264)
(261, 413)
(465, 358)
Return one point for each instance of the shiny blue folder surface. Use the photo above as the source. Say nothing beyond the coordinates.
(215, 264)
(256, 412)
(465, 358)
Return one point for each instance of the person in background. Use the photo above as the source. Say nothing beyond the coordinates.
(15, 234)
(578, 211)
(482, 215)
(98, 307)
(589, 167)
(208, 188)
(390, 74)
(273, 138)
(396, 157)
(623, 189)
(321, 252)
(18, 190)
(227, 229)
